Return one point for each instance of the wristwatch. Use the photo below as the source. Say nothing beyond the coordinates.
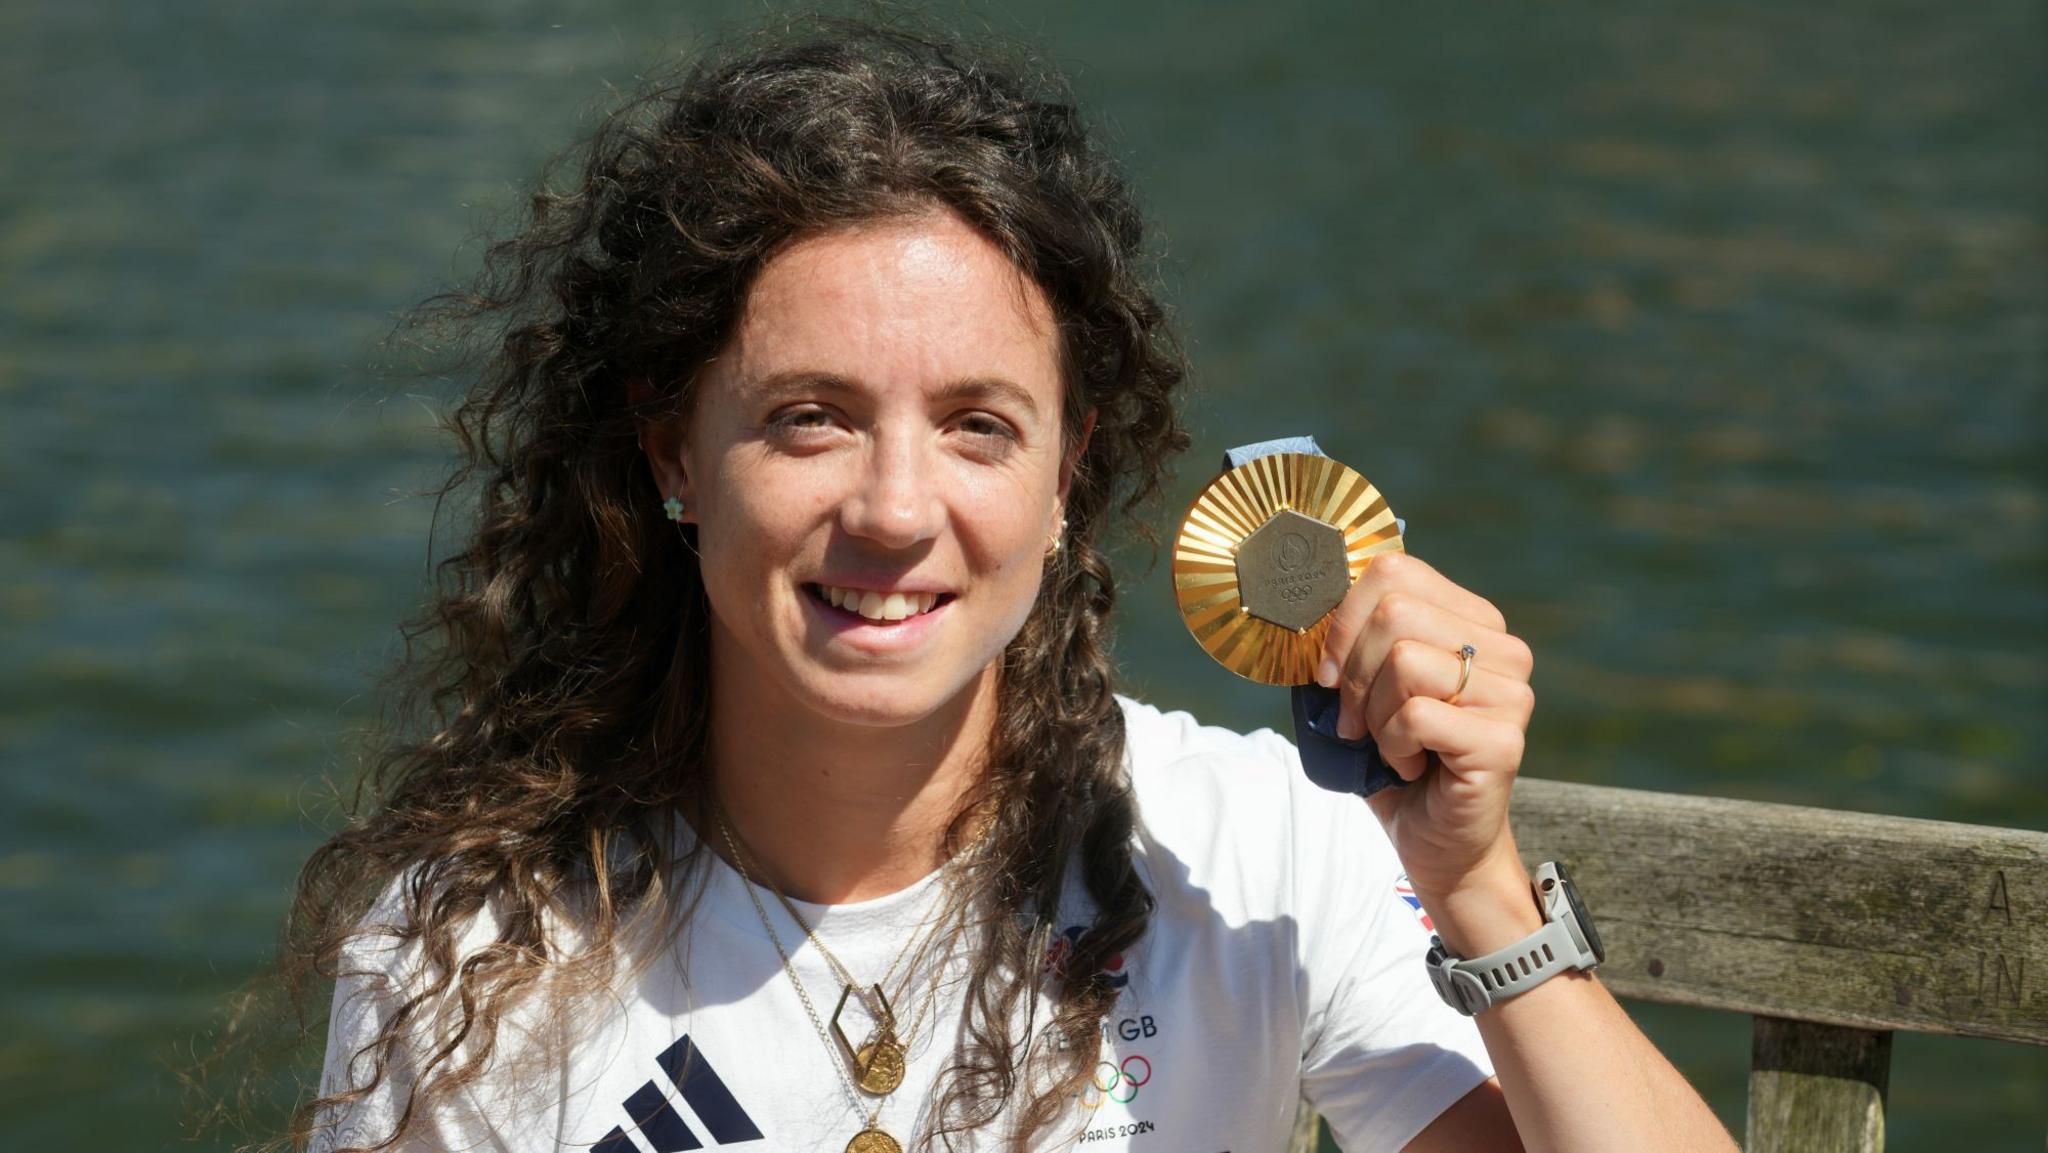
(1567, 940)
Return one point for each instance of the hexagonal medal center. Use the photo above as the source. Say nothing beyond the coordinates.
(1291, 570)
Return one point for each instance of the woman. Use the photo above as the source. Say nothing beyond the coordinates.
(776, 792)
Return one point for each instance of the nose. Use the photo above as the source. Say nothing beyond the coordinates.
(895, 502)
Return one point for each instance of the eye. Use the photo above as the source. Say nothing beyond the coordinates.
(809, 418)
(982, 424)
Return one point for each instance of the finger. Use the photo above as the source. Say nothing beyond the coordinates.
(1408, 575)
(1418, 669)
(1347, 620)
(1466, 741)
(1406, 572)
(1400, 617)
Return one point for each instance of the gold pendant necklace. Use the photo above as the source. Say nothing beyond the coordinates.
(878, 1064)
(873, 1141)
(881, 1061)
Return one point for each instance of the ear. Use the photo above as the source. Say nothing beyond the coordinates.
(664, 443)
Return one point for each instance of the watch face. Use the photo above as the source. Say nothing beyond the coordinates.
(1585, 920)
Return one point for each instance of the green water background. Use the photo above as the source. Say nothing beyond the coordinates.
(1707, 340)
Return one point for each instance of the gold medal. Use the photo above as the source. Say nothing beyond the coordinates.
(873, 1140)
(1266, 551)
(879, 1065)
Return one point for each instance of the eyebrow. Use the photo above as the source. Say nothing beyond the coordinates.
(781, 384)
(979, 387)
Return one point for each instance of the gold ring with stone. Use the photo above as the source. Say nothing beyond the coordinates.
(1465, 656)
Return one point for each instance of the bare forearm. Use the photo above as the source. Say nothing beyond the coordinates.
(1579, 1076)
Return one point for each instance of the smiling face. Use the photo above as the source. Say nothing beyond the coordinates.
(874, 468)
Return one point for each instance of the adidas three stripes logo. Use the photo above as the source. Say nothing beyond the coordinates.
(662, 1127)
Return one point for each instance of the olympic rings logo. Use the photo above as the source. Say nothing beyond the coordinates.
(1117, 1083)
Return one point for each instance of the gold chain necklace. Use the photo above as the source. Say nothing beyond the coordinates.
(880, 1061)
(871, 1138)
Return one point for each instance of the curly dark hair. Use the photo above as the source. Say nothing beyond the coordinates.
(551, 694)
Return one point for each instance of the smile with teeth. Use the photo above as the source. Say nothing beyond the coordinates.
(876, 606)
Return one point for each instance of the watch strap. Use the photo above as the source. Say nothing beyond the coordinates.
(1472, 986)
(1329, 760)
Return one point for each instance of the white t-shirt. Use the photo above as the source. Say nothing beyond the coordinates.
(1284, 961)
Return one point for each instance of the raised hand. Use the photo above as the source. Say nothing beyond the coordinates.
(1393, 654)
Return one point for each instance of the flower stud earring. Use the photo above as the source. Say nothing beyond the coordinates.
(673, 508)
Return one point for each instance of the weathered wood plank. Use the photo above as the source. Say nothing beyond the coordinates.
(1816, 1088)
(1849, 919)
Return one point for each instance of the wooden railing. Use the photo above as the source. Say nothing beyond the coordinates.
(1830, 929)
